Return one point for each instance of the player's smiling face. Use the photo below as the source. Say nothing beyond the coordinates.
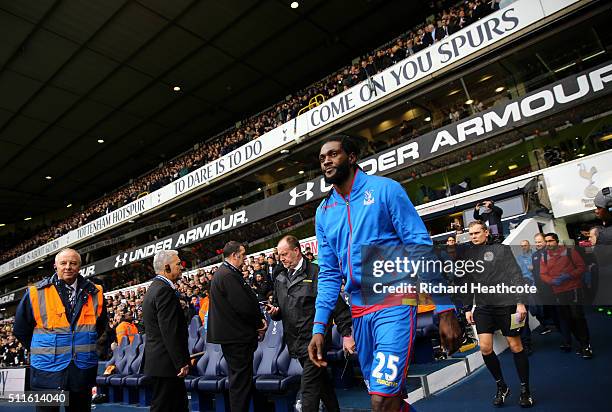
(335, 163)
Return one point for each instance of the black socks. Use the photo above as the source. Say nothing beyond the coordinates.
(493, 366)
(522, 367)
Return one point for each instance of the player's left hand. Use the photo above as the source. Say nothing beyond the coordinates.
(348, 344)
(450, 332)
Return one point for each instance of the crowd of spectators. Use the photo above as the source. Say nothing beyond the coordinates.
(12, 352)
(258, 271)
(444, 23)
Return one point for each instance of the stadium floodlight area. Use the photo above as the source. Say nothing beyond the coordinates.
(484, 35)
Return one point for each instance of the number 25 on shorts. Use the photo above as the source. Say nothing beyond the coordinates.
(391, 362)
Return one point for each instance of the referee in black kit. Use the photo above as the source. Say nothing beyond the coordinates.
(235, 321)
(495, 265)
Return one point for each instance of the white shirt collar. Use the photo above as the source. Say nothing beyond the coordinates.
(168, 281)
(299, 265)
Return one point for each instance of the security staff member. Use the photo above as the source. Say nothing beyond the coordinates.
(603, 247)
(295, 291)
(491, 312)
(126, 328)
(59, 320)
(166, 354)
(236, 322)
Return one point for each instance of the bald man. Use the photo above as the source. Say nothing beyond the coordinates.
(60, 320)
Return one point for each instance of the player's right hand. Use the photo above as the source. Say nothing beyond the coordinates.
(315, 350)
(469, 316)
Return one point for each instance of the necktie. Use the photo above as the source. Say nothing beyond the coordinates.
(72, 290)
(291, 274)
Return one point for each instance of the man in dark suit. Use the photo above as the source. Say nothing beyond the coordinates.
(166, 354)
(236, 322)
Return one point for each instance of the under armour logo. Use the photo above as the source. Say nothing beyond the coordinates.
(295, 194)
(121, 260)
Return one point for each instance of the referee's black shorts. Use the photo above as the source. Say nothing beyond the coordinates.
(488, 319)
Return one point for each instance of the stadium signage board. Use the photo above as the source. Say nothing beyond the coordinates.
(450, 50)
(12, 380)
(536, 105)
(12, 296)
(572, 186)
(394, 80)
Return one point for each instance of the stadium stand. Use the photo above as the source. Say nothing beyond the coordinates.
(442, 183)
(447, 21)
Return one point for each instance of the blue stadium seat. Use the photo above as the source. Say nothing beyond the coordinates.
(194, 328)
(118, 353)
(137, 384)
(335, 352)
(289, 372)
(201, 342)
(342, 368)
(125, 342)
(426, 330)
(116, 380)
(268, 351)
(119, 360)
(210, 380)
(283, 386)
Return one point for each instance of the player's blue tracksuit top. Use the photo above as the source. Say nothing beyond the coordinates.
(376, 212)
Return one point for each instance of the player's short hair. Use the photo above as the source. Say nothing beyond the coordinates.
(348, 143)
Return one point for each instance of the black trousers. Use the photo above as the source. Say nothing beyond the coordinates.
(169, 395)
(317, 386)
(72, 379)
(77, 402)
(572, 313)
(239, 357)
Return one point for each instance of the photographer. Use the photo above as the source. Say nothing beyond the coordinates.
(490, 214)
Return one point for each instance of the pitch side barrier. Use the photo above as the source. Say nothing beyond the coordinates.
(539, 104)
(481, 36)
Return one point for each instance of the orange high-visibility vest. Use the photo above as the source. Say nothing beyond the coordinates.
(54, 341)
(203, 309)
(126, 329)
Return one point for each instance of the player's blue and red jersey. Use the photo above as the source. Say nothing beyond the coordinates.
(376, 212)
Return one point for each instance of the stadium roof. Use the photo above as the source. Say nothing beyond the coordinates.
(74, 72)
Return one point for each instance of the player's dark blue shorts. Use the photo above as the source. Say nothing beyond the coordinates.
(384, 341)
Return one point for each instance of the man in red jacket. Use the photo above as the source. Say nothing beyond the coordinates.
(562, 269)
